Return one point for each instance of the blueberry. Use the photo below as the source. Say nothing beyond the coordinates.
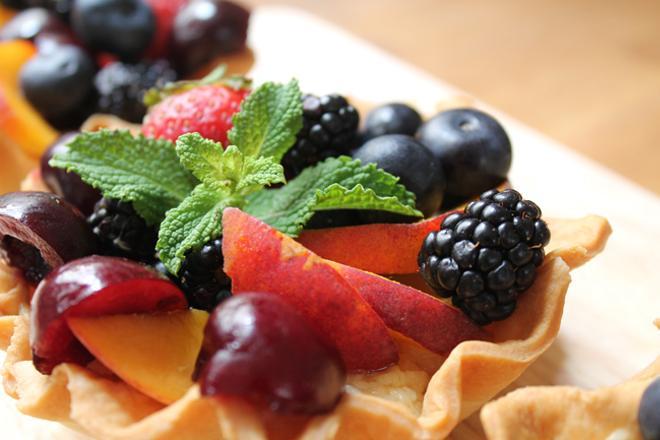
(122, 27)
(30, 23)
(409, 160)
(59, 83)
(392, 118)
(204, 29)
(649, 412)
(473, 148)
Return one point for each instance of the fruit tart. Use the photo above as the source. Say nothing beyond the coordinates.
(276, 272)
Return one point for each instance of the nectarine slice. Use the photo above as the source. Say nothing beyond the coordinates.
(153, 353)
(423, 318)
(260, 259)
(14, 54)
(378, 248)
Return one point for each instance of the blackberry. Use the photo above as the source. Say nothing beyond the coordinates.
(202, 278)
(121, 87)
(121, 231)
(486, 256)
(330, 128)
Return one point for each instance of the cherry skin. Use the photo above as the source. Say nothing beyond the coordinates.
(92, 286)
(257, 347)
(41, 231)
(204, 29)
(67, 184)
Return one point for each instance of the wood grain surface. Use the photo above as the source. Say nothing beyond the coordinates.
(585, 72)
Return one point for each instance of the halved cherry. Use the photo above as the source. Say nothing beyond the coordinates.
(92, 286)
(259, 348)
(41, 231)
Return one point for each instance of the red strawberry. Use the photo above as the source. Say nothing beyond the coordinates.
(206, 109)
(165, 12)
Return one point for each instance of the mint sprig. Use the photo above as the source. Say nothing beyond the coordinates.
(269, 121)
(185, 187)
(336, 183)
(226, 176)
(194, 222)
(144, 171)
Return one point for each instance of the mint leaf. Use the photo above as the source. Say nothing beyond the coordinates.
(194, 222)
(207, 160)
(336, 183)
(259, 172)
(269, 120)
(144, 171)
(229, 167)
(227, 176)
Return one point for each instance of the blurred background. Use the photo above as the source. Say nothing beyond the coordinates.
(584, 72)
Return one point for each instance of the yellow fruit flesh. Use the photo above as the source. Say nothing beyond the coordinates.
(153, 353)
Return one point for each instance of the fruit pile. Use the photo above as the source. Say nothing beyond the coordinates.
(193, 224)
(101, 56)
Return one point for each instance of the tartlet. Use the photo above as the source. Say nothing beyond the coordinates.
(564, 412)
(423, 396)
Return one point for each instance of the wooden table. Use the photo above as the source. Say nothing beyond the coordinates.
(607, 332)
(585, 72)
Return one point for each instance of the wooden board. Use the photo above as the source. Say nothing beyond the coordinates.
(607, 332)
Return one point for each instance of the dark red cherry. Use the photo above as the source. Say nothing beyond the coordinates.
(204, 29)
(257, 347)
(40, 231)
(92, 286)
(67, 184)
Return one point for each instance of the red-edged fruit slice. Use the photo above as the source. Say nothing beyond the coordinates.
(260, 259)
(92, 286)
(423, 318)
(378, 248)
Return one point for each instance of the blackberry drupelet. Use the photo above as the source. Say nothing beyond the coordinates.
(202, 278)
(121, 87)
(330, 128)
(486, 256)
(121, 231)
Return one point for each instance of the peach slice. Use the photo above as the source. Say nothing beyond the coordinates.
(423, 318)
(260, 259)
(5, 15)
(378, 248)
(153, 353)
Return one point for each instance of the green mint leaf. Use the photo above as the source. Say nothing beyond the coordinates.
(269, 120)
(194, 222)
(146, 172)
(229, 167)
(207, 160)
(259, 172)
(336, 183)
